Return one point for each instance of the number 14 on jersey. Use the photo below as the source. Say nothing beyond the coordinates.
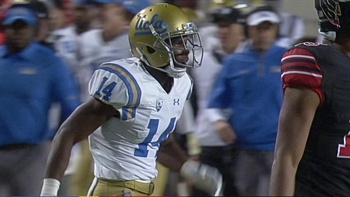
(142, 151)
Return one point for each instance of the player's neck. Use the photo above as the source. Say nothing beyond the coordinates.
(162, 78)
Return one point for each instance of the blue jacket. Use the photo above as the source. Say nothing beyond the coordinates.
(29, 83)
(251, 87)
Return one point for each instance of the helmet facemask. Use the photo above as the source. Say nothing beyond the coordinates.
(185, 41)
(334, 17)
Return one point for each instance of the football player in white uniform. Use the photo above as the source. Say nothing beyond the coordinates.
(137, 102)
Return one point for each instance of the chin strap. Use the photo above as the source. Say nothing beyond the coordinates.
(170, 70)
(330, 35)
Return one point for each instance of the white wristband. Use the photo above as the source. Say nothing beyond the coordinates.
(50, 187)
(189, 169)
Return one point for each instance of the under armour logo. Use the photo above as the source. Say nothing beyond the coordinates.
(176, 102)
(126, 193)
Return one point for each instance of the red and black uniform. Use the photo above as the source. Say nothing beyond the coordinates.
(324, 169)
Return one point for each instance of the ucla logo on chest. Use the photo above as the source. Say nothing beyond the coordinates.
(159, 104)
(142, 26)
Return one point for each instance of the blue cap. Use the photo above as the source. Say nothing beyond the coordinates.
(133, 6)
(20, 13)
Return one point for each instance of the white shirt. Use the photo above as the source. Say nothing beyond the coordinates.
(292, 27)
(204, 78)
(66, 45)
(93, 51)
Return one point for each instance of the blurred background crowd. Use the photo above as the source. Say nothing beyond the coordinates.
(230, 121)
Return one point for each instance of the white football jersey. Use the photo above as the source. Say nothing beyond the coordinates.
(93, 51)
(205, 130)
(126, 148)
(66, 45)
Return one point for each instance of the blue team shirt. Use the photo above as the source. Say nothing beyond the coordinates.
(30, 82)
(251, 87)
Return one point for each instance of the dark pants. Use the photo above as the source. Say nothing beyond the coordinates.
(252, 171)
(219, 157)
(22, 169)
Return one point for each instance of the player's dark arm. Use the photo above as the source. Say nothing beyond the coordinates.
(171, 155)
(295, 120)
(83, 121)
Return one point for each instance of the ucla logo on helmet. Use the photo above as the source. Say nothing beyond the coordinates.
(142, 26)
